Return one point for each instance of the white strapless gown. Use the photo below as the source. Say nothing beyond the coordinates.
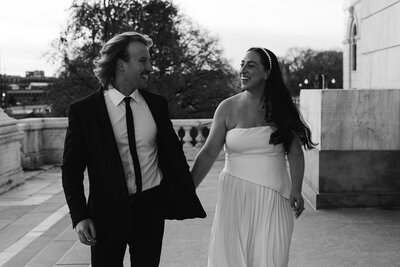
(253, 222)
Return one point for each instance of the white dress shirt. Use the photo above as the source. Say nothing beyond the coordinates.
(145, 134)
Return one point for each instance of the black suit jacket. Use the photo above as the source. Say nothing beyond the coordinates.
(90, 143)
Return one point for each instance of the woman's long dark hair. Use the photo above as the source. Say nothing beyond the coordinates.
(279, 106)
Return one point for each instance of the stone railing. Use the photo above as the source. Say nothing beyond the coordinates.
(193, 134)
(30, 143)
(10, 157)
(43, 141)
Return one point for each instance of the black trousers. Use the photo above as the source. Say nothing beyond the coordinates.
(146, 239)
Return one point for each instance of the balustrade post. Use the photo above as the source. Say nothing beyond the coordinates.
(187, 138)
(200, 137)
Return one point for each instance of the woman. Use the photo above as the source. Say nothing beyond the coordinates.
(253, 223)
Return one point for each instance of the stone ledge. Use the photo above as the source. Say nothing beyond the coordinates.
(357, 200)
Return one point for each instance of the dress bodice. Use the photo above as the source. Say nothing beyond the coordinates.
(250, 156)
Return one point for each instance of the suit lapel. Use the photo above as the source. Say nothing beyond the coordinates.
(105, 127)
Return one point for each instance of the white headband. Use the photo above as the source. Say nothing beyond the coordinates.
(269, 57)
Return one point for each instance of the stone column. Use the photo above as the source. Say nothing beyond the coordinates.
(357, 161)
(10, 153)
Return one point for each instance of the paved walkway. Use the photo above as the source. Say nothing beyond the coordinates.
(35, 231)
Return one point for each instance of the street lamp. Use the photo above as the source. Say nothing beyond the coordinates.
(305, 81)
(2, 99)
(333, 81)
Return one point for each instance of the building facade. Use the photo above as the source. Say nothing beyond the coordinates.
(371, 47)
(22, 97)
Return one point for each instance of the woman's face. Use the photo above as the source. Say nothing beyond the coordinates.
(252, 72)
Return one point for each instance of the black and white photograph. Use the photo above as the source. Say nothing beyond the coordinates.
(212, 133)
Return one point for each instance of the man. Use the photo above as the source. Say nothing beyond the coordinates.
(138, 175)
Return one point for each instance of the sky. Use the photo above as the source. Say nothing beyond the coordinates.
(28, 27)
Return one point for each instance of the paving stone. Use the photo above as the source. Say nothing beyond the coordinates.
(59, 197)
(4, 223)
(25, 190)
(72, 265)
(50, 255)
(34, 248)
(31, 219)
(68, 233)
(50, 205)
(53, 188)
(11, 233)
(185, 242)
(340, 237)
(33, 234)
(14, 212)
(79, 254)
(346, 237)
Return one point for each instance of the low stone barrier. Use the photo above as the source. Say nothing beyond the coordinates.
(357, 161)
(10, 157)
(30, 143)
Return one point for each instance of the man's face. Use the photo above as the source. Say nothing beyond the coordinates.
(138, 67)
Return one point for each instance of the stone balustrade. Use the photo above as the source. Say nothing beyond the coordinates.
(30, 143)
(43, 141)
(10, 158)
(193, 134)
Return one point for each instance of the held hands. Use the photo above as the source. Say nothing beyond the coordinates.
(297, 203)
(86, 232)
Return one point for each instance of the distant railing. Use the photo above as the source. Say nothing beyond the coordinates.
(192, 133)
(43, 141)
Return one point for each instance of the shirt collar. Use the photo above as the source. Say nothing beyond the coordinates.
(136, 96)
(117, 97)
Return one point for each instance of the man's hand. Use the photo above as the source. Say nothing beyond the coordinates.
(86, 232)
(297, 203)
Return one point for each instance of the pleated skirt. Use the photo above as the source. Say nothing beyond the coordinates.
(252, 227)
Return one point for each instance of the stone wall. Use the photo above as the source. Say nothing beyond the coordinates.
(357, 161)
(10, 158)
(43, 141)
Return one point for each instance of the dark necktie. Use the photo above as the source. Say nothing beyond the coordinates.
(132, 144)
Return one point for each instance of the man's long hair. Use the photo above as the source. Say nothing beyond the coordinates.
(114, 49)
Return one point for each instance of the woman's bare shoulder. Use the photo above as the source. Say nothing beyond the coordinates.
(229, 102)
(227, 110)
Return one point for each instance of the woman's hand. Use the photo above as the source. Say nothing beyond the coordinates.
(297, 203)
